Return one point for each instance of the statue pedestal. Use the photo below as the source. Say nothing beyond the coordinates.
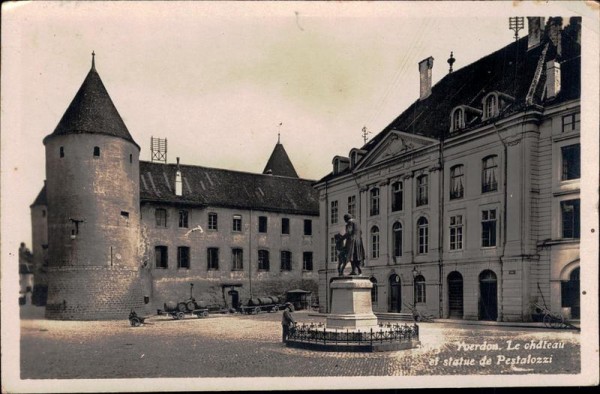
(351, 304)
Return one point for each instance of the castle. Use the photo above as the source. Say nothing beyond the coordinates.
(469, 201)
(112, 233)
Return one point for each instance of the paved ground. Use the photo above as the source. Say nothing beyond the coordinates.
(249, 346)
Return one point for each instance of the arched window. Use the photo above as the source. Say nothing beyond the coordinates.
(420, 289)
(374, 202)
(375, 242)
(489, 180)
(397, 238)
(491, 106)
(458, 119)
(373, 290)
(96, 151)
(457, 188)
(422, 235)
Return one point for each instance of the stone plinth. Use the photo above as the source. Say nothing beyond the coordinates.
(351, 304)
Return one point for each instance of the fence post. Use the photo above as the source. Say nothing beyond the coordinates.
(371, 336)
(324, 336)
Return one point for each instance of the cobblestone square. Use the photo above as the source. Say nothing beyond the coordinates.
(250, 346)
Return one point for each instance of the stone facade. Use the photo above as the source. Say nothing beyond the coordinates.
(474, 214)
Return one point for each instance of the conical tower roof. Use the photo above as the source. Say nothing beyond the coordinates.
(279, 163)
(92, 112)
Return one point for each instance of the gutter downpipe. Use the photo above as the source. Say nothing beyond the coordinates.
(441, 230)
(326, 244)
(504, 216)
(250, 254)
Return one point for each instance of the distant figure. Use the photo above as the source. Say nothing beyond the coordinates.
(287, 321)
(341, 253)
(355, 251)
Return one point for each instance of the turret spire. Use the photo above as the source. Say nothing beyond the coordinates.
(93, 61)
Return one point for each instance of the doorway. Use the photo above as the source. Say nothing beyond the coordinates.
(395, 294)
(570, 294)
(488, 296)
(455, 295)
(234, 298)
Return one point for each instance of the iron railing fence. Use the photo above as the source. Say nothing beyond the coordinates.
(385, 333)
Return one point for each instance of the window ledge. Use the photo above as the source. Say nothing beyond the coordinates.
(559, 241)
(566, 135)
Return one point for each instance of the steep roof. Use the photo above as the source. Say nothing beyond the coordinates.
(92, 112)
(204, 186)
(510, 70)
(279, 163)
(41, 198)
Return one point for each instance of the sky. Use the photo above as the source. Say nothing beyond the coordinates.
(217, 79)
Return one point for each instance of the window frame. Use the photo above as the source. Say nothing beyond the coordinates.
(308, 227)
(374, 201)
(285, 260)
(285, 226)
(489, 184)
(397, 196)
(212, 258)
(263, 224)
(183, 257)
(164, 254)
(184, 216)
(333, 257)
(333, 212)
(161, 222)
(236, 223)
(352, 205)
(264, 263)
(375, 238)
(456, 233)
(570, 164)
(457, 180)
(422, 190)
(574, 122)
(420, 290)
(237, 259)
(575, 220)
(397, 239)
(213, 221)
(486, 221)
(422, 235)
(307, 261)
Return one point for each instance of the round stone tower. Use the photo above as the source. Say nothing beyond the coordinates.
(92, 173)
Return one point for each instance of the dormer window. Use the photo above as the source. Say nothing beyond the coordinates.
(178, 184)
(355, 156)
(340, 164)
(491, 106)
(458, 119)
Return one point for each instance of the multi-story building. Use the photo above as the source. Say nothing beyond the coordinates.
(121, 233)
(469, 200)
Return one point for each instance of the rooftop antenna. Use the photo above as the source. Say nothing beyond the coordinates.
(158, 147)
(516, 23)
(365, 133)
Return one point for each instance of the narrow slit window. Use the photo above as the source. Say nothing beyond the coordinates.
(96, 151)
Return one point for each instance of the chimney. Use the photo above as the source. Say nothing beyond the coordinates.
(536, 29)
(178, 181)
(553, 30)
(425, 67)
(552, 79)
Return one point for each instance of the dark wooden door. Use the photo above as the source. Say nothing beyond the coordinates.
(488, 296)
(455, 295)
(395, 294)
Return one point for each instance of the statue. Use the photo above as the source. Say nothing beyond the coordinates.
(355, 252)
(340, 249)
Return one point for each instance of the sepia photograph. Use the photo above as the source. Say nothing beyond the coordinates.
(209, 196)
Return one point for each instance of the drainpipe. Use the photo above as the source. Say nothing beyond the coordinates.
(441, 229)
(249, 254)
(326, 249)
(504, 216)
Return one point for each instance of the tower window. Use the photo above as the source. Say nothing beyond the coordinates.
(96, 151)
(161, 217)
(212, 258)
(262, 224)
(161, 256)
(263, 260)
(62, 151)
(307, 261)
(237, 223)
(130, 158)
(286, 260)
(307, 227)
(571, 162)
(183, 218)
